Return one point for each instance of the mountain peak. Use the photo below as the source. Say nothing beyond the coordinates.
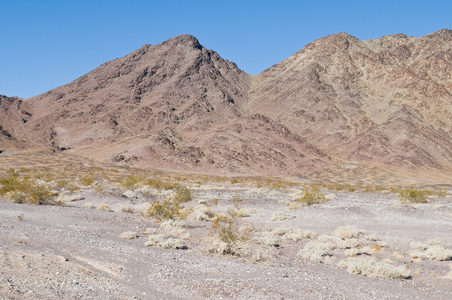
(444, 34)
(185, 39)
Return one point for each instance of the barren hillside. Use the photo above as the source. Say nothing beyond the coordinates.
(177, 105)
(386, 100)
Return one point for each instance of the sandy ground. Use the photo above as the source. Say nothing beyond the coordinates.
(72, 252)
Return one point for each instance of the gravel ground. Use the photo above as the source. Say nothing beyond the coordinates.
(72, 252)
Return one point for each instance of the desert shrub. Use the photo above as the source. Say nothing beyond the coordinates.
(175, 229)
(412, 195)
(66, 184)
(228, 230)
(340, 187)
(163, 210)
(317, 251)
(182, 195)
(160, 240)
(277, 184)
(25, 190)
(125, 209)
(172, 243)
(293, 234)
(89, 205)
(10, 182)
(282, 217)
(128, 235)
(372, 268)
(347, 232)
(311, 197)
(201, 213)
(131, 181)
(104, 206)
(372, 188)
(161, 185)
(272, 241)
(430, 252)
(87, 180)
(212, 202)
(441, 192)
(234, 180)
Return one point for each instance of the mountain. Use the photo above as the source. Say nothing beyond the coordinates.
(175, 105)
(14, 113)
(338, 103)
(178, 82)
(386, 100)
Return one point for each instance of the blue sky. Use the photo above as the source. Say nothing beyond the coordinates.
(48, 43)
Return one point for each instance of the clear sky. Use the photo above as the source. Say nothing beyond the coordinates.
(48, 43)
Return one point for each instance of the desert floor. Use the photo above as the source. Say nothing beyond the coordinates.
(74, 250)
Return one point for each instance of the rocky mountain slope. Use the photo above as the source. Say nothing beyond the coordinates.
(14, 112)
(177, 105)
(386, 100)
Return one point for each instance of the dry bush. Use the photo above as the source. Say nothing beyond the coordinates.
(311, 197)
(360, 251)
(155, 240)
(65, 197)
(172, 243)
(130, 194)
(292, 234)
(89, 205)
(430, 252)
(125, 209)
(201, 213)
(66, 185)
(227, 230)
(87, 180)
(339, 242)
(160, 240)
(340, 187)
(412, 195)
(131, 182)
(346, 232)
(163, 210)
(104, 206)
(282, 217)
(128, 235)
(373, 268)
(26, 190)
(271, 240)
(317, 251)
(183, 195)
(170, 208)
(247, 250)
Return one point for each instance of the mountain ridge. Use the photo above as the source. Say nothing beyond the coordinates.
(178, 105)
